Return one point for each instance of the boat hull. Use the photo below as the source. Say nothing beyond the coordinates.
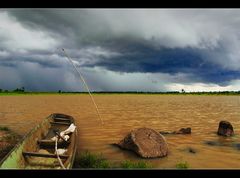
(30, 143)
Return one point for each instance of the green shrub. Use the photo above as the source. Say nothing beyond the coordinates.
(12, 138)
(4, 129)
(129, 164)
(90, 160)
(182, 165)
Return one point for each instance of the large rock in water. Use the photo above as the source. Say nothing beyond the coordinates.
(225, 128)
(146, 142)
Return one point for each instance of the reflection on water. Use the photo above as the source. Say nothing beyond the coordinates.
(122, 113)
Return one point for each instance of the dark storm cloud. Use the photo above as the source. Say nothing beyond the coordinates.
(202, 44)
(13, 63)
(43, 58)
(171, 61)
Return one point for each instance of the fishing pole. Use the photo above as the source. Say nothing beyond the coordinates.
(85, 84)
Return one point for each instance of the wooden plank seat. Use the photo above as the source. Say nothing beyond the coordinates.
(44, 155)
(61, 123)
(61, 119)
(51, 143)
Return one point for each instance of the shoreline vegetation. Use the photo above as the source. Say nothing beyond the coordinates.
(22, 91)
(8, 139)
(97, 160)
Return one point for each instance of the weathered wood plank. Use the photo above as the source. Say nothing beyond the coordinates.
(44, 155)
(60, 123)
(62, 119)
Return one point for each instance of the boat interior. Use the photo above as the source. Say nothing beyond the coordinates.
(42, 152)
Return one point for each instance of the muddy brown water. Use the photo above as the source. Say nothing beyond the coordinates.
(122, 113)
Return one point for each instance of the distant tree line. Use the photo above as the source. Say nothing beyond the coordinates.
(160, 92)
(182, 92)
(17, 90)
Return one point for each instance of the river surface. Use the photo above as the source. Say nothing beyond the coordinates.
(122, 113)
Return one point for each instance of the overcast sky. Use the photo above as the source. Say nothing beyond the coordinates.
(120, 49)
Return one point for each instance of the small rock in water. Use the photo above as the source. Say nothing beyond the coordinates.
(237, 145)
(191, 150)
(218, 143)
(225, 128)
(211, 143)
(146, 142)
(184, 131)
(163, 132)
(181, 131)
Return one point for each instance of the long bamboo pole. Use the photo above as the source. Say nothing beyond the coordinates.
(85, 84)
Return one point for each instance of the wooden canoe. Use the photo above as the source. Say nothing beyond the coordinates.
(37, 151)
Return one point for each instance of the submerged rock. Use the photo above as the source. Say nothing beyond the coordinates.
(212, 143)
(184, 131)
(237, 146)
(192, 150)
(181, 131)
(145, 142)
(165, 133)
(231, 144)
(188, 150)
(219, 143)
(225, 128)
